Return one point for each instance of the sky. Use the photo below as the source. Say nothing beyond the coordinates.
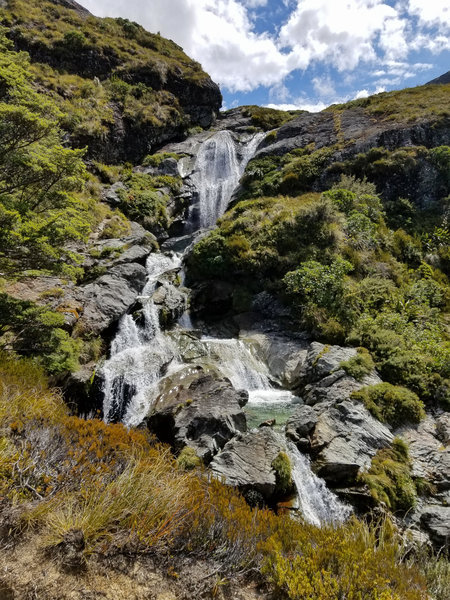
(304, 54)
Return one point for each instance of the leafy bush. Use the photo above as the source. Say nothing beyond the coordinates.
(391, 404)
(360, 365)
(389, 478)
(281, 464)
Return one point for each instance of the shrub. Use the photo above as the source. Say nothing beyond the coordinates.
(391, 404)
(360, 365)
(188, 459)
(389, 478)
(283, 473)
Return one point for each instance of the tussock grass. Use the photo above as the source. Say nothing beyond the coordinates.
(122, 493)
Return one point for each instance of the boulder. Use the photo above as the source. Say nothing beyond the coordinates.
(430, 450)
(341, 438)
(284, 356)
(322, 378)
(436, 521)
(171, 303)
(110, 296)
(199, 410)
(246, 461)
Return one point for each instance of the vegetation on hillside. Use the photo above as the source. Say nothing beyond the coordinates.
(101, 72)
(347, 276)
(119, 492)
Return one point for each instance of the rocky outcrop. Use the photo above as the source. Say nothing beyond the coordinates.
(436, 521)
(246, 461)
(200, 411)
(429, 448)
(322, 378)
(342, 438)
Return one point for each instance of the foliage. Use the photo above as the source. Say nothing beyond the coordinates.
(389, 478)
(391, 404)
(125, 494)
(408, 105)
(269, 118)
(360, 365)
(37, 332)
(154, 160)
(281, 464)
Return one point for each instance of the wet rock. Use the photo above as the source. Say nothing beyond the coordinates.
(246, 461)
(284, 356)
(171, 303)
(110, 296)
(430, 450)
(436, 521)
(341, 438)
(203, 412)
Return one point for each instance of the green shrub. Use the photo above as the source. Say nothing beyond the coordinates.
(389, 478)
(360, 365)
(283, 473)
(391, 404)
(188, 459)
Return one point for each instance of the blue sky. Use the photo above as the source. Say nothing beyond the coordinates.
(301, 53)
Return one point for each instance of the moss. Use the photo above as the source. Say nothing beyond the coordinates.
(391, 404)
(188, 459)
(389, 478)
(269, 118)
(283, 474)
(360, 365)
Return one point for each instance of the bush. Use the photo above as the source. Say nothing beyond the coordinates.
(391, 404)
(389, 478)
(283, 473)
(360, 365)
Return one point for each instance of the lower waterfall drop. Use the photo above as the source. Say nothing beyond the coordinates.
(317, 503)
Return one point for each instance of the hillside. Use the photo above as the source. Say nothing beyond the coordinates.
(123, 91)
(224, 337)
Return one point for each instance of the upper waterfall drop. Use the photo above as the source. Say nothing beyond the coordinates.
(218, 169)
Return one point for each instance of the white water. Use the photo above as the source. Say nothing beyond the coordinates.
(142, 355)
(218, 169)
(139, 354)
(316, 502)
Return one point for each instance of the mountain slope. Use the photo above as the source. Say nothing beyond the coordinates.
(442, 80)
(123, 90)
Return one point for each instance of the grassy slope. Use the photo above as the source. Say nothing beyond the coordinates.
(123, 494)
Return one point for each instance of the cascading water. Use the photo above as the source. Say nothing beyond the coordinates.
(316, 502)
(139, 354)
(218, 170)
(143, 357)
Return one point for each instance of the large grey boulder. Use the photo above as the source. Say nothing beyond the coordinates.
(246, 461)
(430, 450)
(323, 380)
(110, 296)
(341, 438)
(199, 410)
(284, 356)
(436, 521)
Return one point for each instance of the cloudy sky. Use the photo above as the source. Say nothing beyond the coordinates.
(301, 53)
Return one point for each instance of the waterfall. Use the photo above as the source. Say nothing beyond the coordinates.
(140, 353)
(218, 169)
(317, 503)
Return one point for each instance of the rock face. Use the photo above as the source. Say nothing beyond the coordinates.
(342, 438)
(359, 132)
(203, 414)
(322, 378)
(246, 461)
(436, 521)
(430, 450)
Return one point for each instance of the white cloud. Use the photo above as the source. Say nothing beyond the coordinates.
(344, 34)
(300, 105)
(432, 12)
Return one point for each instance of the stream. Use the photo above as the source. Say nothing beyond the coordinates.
(143, 357)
